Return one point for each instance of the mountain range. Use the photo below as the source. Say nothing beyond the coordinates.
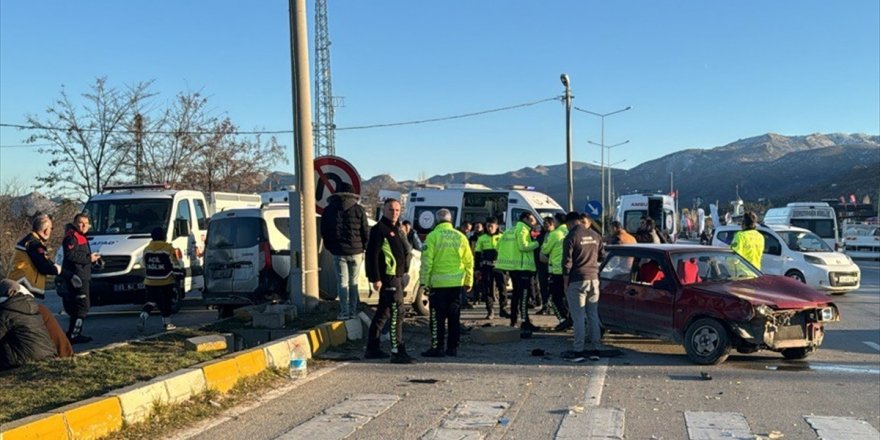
(769, 168)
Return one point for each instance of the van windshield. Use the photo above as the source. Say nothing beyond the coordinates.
(127, 216)
(234, 233)
(804, 241)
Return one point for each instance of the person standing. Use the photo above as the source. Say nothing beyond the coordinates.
(551, 250)
(749, 243)
(386, 263)
(30, 261)
(494, 287)
(542, 270)
(414, 241)
(344, 231)
(160, 265)
(77, 274)
(447, 269)
(581, 251)
(515, 255)
(619, 235)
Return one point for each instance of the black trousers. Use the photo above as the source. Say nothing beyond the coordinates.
(161, 296)
(522, 291)
(390, 307)
(542, 276)
(445, 313)
(557, 293)
(76, 304)
(494, 287)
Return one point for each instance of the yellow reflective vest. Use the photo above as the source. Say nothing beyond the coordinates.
(749, 244)
(515, 250)
(31, 264)
(447, 260)
(552, 248)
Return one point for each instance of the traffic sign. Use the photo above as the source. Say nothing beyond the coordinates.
(330, 173)
(593, 208)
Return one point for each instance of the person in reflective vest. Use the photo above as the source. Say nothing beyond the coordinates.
(749, 243)
(515, 255)
(161, 268)
(493, 285)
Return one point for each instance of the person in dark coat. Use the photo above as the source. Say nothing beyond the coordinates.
(77, 275)
(23, 335)
(345, 232)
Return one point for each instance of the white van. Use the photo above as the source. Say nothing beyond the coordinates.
(121, 221)
(818, 217)
(474, 203)
(632, 207)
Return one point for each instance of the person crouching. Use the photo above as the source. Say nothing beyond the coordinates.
(24, 337)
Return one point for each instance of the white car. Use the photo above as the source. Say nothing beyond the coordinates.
(800, 254)
(862, 241)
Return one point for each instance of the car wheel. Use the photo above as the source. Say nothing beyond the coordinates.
(707, 342)
(421, 302)
(796, 275)
(796, 353)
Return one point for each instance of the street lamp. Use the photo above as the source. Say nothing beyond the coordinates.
(569, 176)
(608, 161)
(602, 148)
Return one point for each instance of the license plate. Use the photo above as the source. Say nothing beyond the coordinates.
(223, 273)
(127, 287)
(847, 279)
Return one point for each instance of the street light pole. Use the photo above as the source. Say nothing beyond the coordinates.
(610, 188)
(602, 148)
(569, 174)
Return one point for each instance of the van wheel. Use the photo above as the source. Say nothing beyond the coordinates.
(796, 275)
(177, 299)
(707, 342)
(796, 353)
(421, 302)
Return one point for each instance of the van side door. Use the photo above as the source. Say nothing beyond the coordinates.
(183, 239)
(200, 230)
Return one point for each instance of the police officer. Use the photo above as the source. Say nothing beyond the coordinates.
(552, 251)
(749, 243)
(77, 274)
(515, 255)
(494, 288)
(161, 267)
(447, 269)
(30, 262)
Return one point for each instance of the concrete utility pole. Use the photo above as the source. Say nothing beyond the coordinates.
(569, 174)
(138, 128)
(305, 294)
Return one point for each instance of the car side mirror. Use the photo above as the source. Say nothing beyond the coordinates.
(181, 228)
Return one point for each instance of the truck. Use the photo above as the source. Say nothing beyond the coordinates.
(122, 218)
(473, 203)
(818, 217)
(631, 208)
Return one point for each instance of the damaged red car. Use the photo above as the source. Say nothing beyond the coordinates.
(711, 301)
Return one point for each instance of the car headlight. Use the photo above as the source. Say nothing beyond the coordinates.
(814, 260)
(763, 310)
(826, 314)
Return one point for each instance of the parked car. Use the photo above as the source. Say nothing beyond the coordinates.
(800, 254)
(710, 300)
(862, 241)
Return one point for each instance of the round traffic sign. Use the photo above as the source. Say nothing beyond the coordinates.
(593, 208)
(330, 173)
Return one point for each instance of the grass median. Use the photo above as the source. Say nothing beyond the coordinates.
(42, 386)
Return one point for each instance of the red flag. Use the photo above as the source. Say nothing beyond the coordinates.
(852, 198)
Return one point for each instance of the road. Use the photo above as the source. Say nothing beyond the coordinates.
(652, 392)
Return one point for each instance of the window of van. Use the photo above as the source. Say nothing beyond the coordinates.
(283, 225)
(127, 216)
(771, 244)
(631, 220)
(822, 227)
(425, 217)
(201, 218)
(234, 233)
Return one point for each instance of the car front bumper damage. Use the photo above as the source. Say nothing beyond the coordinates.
(780, 329)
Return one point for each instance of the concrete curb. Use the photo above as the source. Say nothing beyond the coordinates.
(98, 416)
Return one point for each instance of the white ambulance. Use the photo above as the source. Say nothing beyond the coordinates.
(473, 203)
(122, 218)
(818, 217)
(660, 207)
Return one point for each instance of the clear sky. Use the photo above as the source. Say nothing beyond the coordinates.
(697, 74)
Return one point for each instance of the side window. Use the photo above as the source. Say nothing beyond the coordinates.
(650, 271)
(425, 217)
(771, 244)
(726, 236)
(283, 225)
(515, 213)
(631, 220)
(617, 268)
(201, 218)
(183, 212)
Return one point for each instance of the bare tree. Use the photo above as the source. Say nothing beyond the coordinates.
(89, 143)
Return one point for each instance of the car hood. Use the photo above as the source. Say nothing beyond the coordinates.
(831, 258)
(776, 291)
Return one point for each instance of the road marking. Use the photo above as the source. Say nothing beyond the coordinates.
(873, 345)
(842, 428)
(343, 419)
(593, 393)
(833, 368)
(588, 421)
(708, 425)
(469, 420)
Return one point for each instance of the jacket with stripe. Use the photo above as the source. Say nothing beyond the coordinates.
(552, 248)
(486, 249)
(386, 255)
(31, 264)
(160, 263)
(447, 260)
(516, 249)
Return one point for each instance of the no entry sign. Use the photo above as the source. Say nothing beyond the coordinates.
(330, 172)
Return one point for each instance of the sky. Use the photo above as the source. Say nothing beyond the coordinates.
(697, 74)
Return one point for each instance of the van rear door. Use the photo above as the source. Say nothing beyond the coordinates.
(232, 258)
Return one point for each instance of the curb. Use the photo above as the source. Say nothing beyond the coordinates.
(98, 416)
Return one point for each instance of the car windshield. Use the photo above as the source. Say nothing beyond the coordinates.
(701, 267)
(127, 216)
(234, 233)
(804, 241)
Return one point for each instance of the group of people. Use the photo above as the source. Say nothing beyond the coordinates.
(28, 329)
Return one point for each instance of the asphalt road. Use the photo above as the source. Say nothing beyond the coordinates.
(502, 391)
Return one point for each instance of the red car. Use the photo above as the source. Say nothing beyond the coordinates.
(710, 300)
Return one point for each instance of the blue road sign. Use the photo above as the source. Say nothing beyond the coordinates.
(593, 208)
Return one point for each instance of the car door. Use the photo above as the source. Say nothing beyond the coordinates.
(650, 297)
(614, 277)
(772, 262)
(183, 240)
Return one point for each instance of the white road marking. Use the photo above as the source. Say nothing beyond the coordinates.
(468, 420)
(873, 345)
(593, 394)
(593, 422)
(707, 425)
(842, 428)
(343, 419)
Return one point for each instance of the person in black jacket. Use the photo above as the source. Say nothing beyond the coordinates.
(387, 263)
(77, 273)
(23, 335)
(344, 231)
